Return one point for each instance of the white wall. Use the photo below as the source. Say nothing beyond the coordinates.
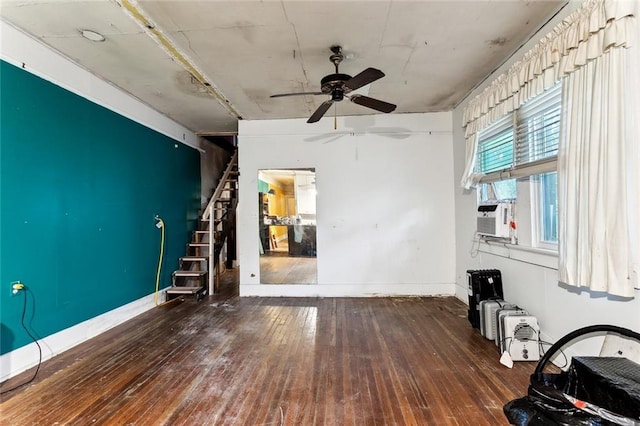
(384, 205)
(530, 279)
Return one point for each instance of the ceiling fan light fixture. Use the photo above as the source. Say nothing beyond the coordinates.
(92, 35)
(337, 95)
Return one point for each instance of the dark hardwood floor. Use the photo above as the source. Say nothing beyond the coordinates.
(274, 361)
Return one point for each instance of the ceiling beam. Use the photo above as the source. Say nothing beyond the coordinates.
(141, 18)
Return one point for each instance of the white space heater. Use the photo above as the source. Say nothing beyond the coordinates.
(521, 337)
(488, 321)
(501, 313)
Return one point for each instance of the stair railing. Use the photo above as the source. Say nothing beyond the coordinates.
(209, 214)
(208, 211)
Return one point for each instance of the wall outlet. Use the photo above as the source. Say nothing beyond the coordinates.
(16, 288)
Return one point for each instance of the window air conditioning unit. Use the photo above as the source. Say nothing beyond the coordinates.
(494, 219)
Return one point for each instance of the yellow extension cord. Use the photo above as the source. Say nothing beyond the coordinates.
(155, 296)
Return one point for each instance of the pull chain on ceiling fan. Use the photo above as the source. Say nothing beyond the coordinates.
(338, 86)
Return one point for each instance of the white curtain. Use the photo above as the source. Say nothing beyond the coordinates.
(469, 179)
(584, 35)
(594, 180)
(599, 155)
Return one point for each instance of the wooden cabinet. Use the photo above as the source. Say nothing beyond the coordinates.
(302, 241)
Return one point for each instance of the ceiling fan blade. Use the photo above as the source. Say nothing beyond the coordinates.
(372, 103)
(365, 77)
(280, 95)
(320, 111)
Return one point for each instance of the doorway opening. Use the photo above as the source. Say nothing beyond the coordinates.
(287, 226)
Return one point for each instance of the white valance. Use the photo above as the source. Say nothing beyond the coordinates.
(584, 35)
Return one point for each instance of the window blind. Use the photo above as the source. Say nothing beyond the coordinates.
(523, 143)
(538, 127)
(495, 147)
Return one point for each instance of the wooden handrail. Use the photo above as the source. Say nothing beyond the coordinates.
(206, 214)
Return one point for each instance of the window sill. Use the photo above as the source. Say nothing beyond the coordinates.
(536, 256)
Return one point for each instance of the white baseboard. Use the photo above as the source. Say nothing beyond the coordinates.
(346, 290)
(25, 357)
(462, 293)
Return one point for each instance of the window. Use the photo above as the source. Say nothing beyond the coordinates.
(524, 144)
(547, 205)
(495, 147)
(499, 190)
(538, 128)
(495, 153)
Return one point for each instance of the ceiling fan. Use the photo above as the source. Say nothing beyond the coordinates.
(340, 85)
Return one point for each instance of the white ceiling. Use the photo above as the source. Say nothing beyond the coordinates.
(432, 52)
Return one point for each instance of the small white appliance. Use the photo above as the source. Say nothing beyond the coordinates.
(521, 337)
(511, 310)
(488, 308)
(494, 219)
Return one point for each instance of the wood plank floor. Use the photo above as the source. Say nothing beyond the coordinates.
(288, 270)
(277, 361)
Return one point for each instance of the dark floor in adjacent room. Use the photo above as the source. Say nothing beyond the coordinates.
(273, 361)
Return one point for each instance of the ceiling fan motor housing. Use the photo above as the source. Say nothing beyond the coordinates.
(334, 85)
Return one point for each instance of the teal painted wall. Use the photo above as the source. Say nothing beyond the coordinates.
(79, 189)
(263, 186)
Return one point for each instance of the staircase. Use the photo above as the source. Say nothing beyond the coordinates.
(216, 228)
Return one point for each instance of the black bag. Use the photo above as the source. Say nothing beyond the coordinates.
(483, 284)
(593, 391)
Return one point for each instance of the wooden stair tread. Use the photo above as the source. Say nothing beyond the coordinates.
(193, 258)
(184, 290)
(189, 273)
